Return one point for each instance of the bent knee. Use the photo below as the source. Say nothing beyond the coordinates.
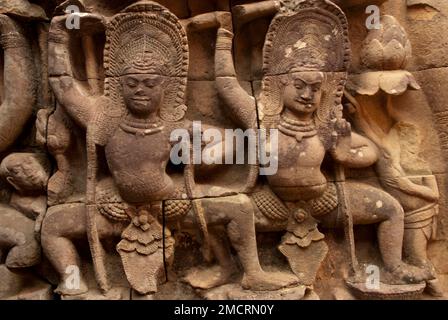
(63, 221)
(393, 209)
(245, 202)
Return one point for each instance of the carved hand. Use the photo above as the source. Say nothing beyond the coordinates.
(249, 12)
(225, 20)
(341, 139)
(341, 127)
(218, 19)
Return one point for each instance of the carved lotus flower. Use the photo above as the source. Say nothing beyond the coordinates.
(385, 53)
(392, 82)
(387, 48)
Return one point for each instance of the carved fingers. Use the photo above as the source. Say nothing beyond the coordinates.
(218, 19)
(89, 24)
(8, 25)
(225, 34)
(225, 20)
(249, 12)
(341, 127)
(341, 138)
(224, 41)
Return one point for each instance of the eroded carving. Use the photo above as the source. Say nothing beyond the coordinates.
(301, 96)
(355, 148)
(402, 171)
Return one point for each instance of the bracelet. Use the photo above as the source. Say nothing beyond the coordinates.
(224, 46)
(12, 40)
(58, 38)
(224, 42)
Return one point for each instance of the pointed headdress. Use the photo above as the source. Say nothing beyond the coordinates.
(306, 35)
(147, 38)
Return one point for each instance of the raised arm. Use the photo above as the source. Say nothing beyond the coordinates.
(240, 104)
(77, 101)
(245, 13)
(20, 82)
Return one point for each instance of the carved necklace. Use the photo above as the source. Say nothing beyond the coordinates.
(297, 129)
(142, 128)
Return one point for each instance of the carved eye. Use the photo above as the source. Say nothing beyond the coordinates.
(299, 84)
(149, 83)
(131, 83)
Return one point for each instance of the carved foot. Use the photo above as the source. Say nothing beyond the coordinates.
(63, 290)
(265, 281)
(138, 296)
(24, 256)
(411, 274)
(434, 288)
(210, 277)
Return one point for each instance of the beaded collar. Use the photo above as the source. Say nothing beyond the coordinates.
(141, 128)
(297, 129)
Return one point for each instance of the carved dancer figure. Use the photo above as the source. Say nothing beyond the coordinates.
(21, 219)
(306, 57)
(401, 170)
(146, 64)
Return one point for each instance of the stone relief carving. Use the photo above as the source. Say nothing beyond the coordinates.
(401, 170)
(90, 187)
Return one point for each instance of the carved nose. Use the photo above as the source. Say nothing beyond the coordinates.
(306, 94)
(139, 91)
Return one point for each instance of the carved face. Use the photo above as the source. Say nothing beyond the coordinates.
(27, 175)
(303, 92)
(142, 93)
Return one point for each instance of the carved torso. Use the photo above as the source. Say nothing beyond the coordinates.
(138, 165)
(299, 176)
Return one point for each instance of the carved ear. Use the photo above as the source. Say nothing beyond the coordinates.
(284, 80)
(11, 182)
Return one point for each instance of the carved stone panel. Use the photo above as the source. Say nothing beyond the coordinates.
(223, 149)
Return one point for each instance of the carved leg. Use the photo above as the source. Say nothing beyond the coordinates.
(59, 140)
(415, 252)
(61, 225)
(414, 247)
(237, 213)
(370, 206)
(211, 277)
(17, 239)
(222, 253)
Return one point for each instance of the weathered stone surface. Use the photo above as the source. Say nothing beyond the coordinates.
(23, 9)
(120, 293)
(22, 286)
(358, 3)
(234, 292)
(386, 292)
(426, 20)
(129, 161)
